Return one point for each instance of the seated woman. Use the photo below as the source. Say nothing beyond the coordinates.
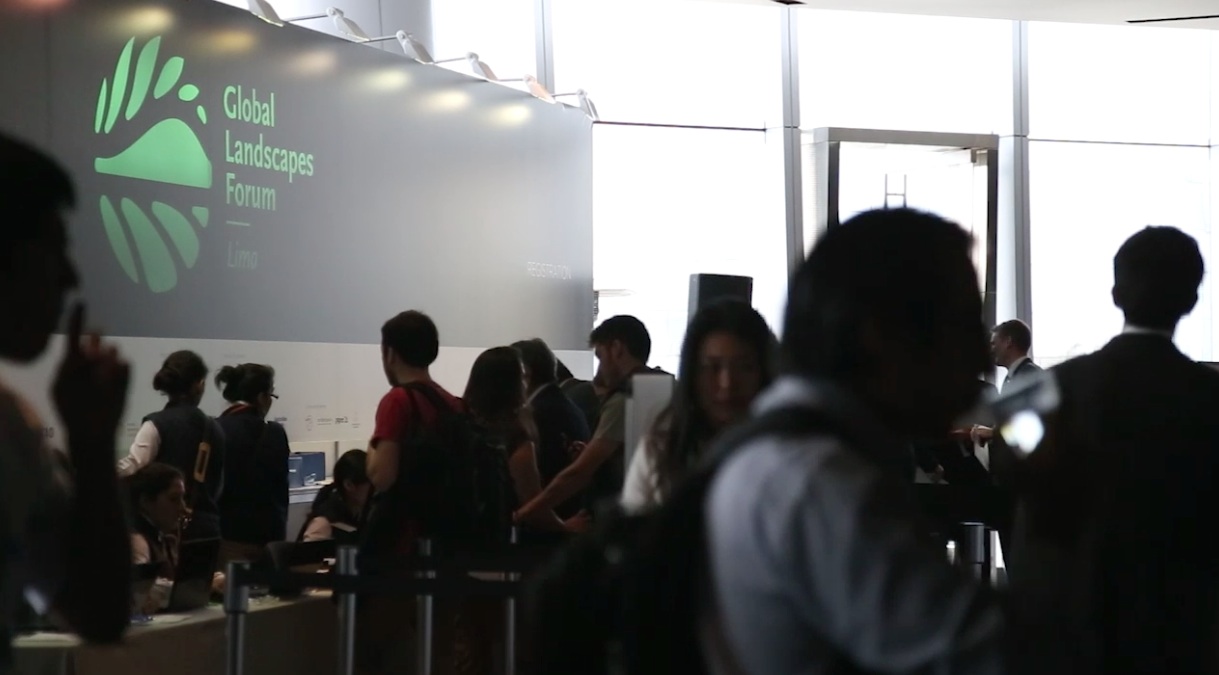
(727, 357)
(157, 493)
(338, 509)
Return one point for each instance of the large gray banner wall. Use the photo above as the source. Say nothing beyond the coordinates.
(242, 181)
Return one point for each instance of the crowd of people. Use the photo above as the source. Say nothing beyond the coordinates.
(812, 555)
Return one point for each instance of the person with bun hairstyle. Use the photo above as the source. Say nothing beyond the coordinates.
(177, 434)
(338, 509)
(254, 506)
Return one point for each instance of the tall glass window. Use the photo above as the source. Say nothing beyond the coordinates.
(1119, 84)
(501, 32)
(672, 61)
(669, 203)
(1085, 200)
(894, 71)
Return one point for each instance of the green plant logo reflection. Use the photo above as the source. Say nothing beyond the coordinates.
(151, 241)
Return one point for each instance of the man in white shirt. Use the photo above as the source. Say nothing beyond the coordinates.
(64, 537)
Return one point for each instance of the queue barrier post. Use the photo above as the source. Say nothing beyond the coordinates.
(424, 610)
(510, 618)
(347, 556)
(236, 607)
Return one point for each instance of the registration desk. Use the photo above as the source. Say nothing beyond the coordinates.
(292, 637)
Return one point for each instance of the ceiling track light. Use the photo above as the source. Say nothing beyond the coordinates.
(264, 10)
(533, 86)
(584, 103)
(413, 49)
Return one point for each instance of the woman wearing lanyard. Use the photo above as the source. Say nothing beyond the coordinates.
(254, 506)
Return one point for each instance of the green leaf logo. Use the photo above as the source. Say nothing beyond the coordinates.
(168, 151)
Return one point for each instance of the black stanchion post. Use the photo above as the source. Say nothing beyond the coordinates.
(510, 618)
(423, 614)
(975, 554)
(236, 606)
(347, 611)
(996, 573)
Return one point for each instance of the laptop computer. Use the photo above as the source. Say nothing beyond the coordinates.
(306, 557)
(193, 579)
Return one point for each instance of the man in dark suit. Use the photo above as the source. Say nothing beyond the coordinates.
(1010, 343)
(1116, 568)
(561, 424)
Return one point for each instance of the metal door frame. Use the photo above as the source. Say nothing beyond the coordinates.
(822, 164)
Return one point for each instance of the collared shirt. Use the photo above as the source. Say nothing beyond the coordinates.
(1131, 329)
(1014, 370)
(817, 565)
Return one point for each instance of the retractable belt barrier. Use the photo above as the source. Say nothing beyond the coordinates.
(425, 575)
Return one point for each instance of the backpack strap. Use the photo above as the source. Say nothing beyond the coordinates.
(669, 582)
(786, 421)
(430, 395)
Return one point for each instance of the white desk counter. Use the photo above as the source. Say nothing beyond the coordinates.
(289, 637)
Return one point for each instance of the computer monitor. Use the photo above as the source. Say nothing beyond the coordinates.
(650, 393)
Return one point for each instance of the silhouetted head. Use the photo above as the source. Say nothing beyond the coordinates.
(496, 388)
(36, 271)
(541, 366)
(1010, 341)
(1156, 275)
(250, 382)
(351, 479)
(409, 340)
(158, 493)
(182, 378)
(562, 372)
(887, 305)
(727, 357)
(622, 345)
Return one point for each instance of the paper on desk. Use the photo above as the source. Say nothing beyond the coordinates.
(165, 619)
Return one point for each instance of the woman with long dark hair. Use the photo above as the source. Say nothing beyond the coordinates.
(495, 395)
(177, 434)
(338, 509)
(727, 358)
(254, 506)
(156, 494)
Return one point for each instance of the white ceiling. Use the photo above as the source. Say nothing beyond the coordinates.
(1086, 11)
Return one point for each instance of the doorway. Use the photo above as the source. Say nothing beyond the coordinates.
(953, 175)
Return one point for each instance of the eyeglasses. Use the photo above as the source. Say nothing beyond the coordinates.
(275, 396)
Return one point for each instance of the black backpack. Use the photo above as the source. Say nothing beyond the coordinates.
(453, 483)
(626, 597)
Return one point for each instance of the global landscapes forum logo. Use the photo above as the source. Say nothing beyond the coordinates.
(168, 151)
(146, 99)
